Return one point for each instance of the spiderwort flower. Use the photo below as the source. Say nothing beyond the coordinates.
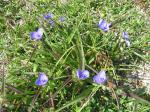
(100, 78)
(48, 16)
(52, 23)
(62, 19)
(37, 35)
(103, 25)
(126, 38)
(82, 74)
(42, 79)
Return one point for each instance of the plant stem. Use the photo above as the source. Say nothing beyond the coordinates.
(95, 89)
(34, 100)
(3, 81)
(81, 54)
(55, 94)
(35, 47)
(91, 68)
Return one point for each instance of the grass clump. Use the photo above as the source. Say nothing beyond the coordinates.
(71, 39)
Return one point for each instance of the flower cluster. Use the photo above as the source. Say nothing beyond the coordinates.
(103, 25)
(100, 78)
(37, 35)
(50, 18)
(126, 38)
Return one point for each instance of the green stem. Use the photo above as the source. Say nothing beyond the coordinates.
(88, 99)
(33, 52)
(81, 54)
(3, 85)
(91, 68)
(3, 81)
(70, 103)
(34, 100)
(55, 94)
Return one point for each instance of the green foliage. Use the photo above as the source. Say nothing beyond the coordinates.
(59, 52)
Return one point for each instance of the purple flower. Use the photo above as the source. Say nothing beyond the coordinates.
(37, 35)
(42, 79)
(62, 19)
(48, 16)
(82, 74)
(100, 78)
(103, 25)
(126, 38)
(52, 23)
